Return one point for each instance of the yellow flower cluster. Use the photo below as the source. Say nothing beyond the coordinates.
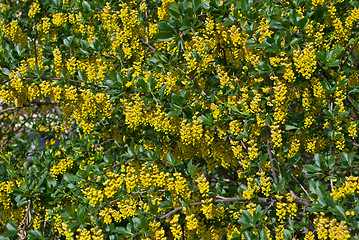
(276, 136)
(71, 65)
(203, 185)
(215, 111)
(44, 27)
(112, 184)
(352, 129)
(265, 184)
(318, 2)
(159, 233)
(309, 236)
(59, 19)
(330, 228)
(94, 195)
(57, 61)
(163, 10)
(5, 201)
(236, 127)
(92, 234)
(263, 29)
(14, 32)
(255, 103)
(310, 146)
(161, 122)
(279, 232)
(191, 132)
(305, 61)
(178, 186)
(131, 178)
(191, 222)
(34, 8)
(134, 112)
(128, 207)
(294, 148)
(209, 209)
(308, 121)
(252, 189)
(61, 167)
(350, 186)
(151, 176)
(284, 210)
(318, 91)
(280, 100)
(175, 227)
(252, 153)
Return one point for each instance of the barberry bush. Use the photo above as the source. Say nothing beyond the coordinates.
(179, 119)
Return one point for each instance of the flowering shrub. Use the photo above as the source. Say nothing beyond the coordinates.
(179, 119)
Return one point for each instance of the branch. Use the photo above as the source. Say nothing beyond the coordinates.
(274, 174)
(301, 186)
(26, 105)
(71, 80)
(199, 88)
(148, 45)
(219, 199)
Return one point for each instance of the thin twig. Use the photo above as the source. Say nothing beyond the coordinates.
(274, 174)
(301, 186)
(219, 199)
(70, 80)
(148, 45)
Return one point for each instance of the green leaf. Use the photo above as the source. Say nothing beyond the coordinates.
(165, 36)
(179, 100)
(248, 235)
(206, 5)
(302, 23)
(11, 226)
(173, 10)
(287, 235)
(137, 222)
(339, 211)
(311, 168)
(196, 5)
(331, 162)
(171, 160)
(318, 159)
(5, 71)
(204, 119)
(191, 168)
(164, 26)
(86, 6)
(290, 127)
(263, 235)
(123, 231)
(11, 229)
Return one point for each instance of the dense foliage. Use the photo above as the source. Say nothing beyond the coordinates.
(179, 119)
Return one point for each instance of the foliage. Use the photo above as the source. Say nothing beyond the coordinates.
(179, 119)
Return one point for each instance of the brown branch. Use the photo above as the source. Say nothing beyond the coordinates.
(351, 49)
(22, 125)
(26, 105)
(199, 88)
(147, 191)
(301, 186)
(219, 199)
(148, 45)
(108, 56)
(71, 80)
(274, 174)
